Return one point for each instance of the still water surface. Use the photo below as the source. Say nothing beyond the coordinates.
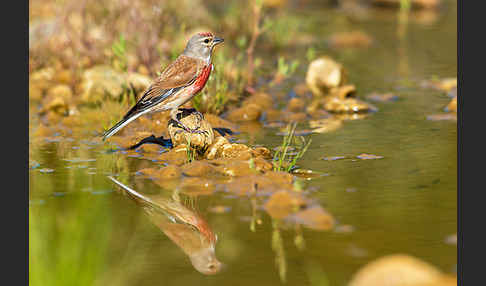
(403, 203)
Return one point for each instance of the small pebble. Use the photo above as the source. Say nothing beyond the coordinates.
(333, 158)
(365, 156)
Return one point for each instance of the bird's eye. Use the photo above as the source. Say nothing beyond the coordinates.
(206, 41)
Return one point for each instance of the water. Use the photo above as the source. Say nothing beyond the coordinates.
(405, 202)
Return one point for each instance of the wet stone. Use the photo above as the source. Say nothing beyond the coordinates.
(398, 269)
(365, 156)
(323, 74)
(442, 117)
(249, 112)
(314, 217)
(382, 97)
(333, 158)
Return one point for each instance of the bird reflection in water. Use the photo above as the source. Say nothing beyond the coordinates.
(183, 226)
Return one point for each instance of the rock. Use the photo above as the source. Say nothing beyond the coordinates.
(100, 82)
(248, 112)
(218, 122)
(295, 117)
(324, 73)
(283, 203)
(382, 97)
(296, 104)
(61, 90)
(234, 167)
(341, 100)
(175, 156)
(396, 270)
(57, 99)
(301, 89)
(213, 150)
(64, 76)
(237, 151)
(264, 100)
(416, 4)
(452, 106)
(354, 39)
(365, 156)
(197, 186)
(169, 172)
(56, 104)
(198, 169)
(150, 148)
(273, 115)
(262, 152)
(443, 116)
(35, 93)
(314, 217)
(139, 81)
(192, 120)
(42, 78)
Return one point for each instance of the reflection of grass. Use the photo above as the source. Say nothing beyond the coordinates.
(282, 160)
(68, 247)
(278, 248)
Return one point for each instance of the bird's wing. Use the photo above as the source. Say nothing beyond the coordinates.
(179, 74)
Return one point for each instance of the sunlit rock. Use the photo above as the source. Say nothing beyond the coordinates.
(248, 112)
(324, 73)
(396, 270)
(200, 140)
(101, 82)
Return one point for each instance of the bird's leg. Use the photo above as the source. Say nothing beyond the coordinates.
(199, 115)
(173, 115)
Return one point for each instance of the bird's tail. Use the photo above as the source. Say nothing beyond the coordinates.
(121, 124)
(139, 197)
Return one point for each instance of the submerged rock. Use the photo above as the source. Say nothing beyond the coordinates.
(323, 74)
(283, 203)
(314, 217)
(382, 97)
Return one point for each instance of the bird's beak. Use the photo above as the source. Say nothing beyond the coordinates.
(217, 40)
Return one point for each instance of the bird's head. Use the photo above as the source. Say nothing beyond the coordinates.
(201, 45)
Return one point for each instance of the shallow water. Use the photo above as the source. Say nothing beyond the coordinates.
(405, 202)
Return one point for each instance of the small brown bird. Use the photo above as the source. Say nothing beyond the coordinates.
(178, 83)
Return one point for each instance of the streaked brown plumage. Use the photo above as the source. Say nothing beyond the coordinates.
(177, 84)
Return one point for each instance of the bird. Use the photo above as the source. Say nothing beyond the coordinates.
(178, 83)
